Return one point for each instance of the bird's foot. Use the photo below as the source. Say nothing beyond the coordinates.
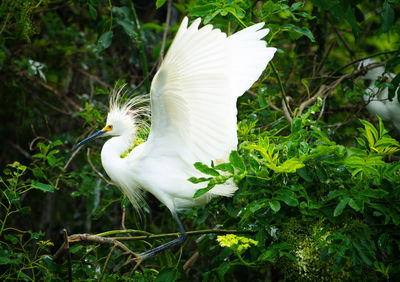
(138, 260)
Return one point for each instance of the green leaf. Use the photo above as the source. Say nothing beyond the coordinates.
(75, 248)
(24, 210)
(51, 160)
(43, 187)
(364, 252)
(374, 193)
(289, 166)
(387, 17)
(287, 196)
(225, 167)
(222, 269)
(237, 161)
(334, 194)
(392, 63)
(353, 204)
(275, 205)
(338, 263)
(371, 134)
(128, 28)
(202, 191)
(198, 180)
(351, 19)
(104, 41)
(167, 274)
(92, 12)
(301, 30)
(13, 239)
(205, 169)
(160, 3)
(302, 172)
(340, 207)
(395, 88)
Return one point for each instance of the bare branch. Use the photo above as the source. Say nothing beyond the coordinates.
(106, 263)
(68, 255)
(95, 169)
(165, 31)
(190, 262)
(325, 90)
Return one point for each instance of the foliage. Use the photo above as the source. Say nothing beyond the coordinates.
(318, 176)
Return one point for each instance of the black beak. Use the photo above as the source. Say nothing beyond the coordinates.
(90, 138)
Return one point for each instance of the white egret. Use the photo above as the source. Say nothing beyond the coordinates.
(377, 99)
(193, 118)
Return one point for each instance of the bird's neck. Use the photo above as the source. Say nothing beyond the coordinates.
(111, 158)
(115, 147)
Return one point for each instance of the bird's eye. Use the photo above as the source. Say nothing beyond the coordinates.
(109, 127)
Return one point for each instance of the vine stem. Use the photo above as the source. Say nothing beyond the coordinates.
(148, 235)
(284, 98)
(141, 46)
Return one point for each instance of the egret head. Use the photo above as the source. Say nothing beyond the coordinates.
(122, 117)
(120, 121)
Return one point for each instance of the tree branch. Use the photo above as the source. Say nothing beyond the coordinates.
(165, 31)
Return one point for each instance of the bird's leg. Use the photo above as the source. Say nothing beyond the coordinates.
(182, 237)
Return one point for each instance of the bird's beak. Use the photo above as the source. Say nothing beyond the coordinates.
(90, 138)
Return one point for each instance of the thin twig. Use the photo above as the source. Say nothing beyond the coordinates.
(36, 139)
(123, 216)
(362, 59)
(332, 75)
(254, 94)
(66, 166)
(95, 169)
(325, 90)
(91, 90)
(321, 64)
(5, 23)
(60, 95)
(286, 110)
(101, 240)
(164, 39)
(106, 263)
(21, 150)
(68, 255)
(92, 77)
(189, 263)
(346, 45)
(284, 98)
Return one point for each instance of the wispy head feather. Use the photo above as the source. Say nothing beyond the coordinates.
(137, 106)
(131, 111)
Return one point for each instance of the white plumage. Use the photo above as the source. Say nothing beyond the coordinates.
(193, 116)
(377, 99)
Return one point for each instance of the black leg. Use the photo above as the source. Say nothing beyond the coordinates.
(182, 237)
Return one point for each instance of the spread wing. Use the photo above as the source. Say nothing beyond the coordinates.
(194, 93)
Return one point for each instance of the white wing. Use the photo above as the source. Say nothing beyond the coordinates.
(194, 93)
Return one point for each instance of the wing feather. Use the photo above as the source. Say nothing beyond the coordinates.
(193, 94)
